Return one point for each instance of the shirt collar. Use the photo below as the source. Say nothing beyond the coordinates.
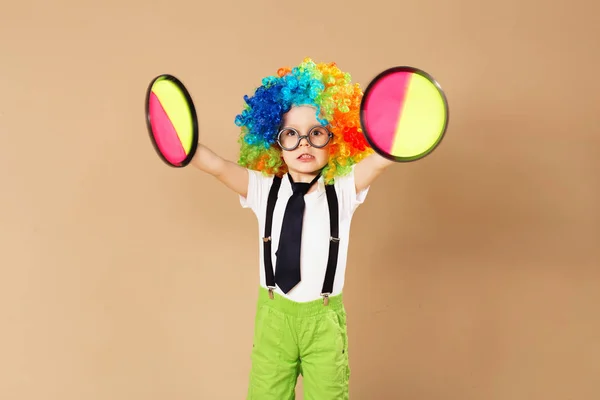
(320, 186)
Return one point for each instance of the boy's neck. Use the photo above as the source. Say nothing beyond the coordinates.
(302, 177)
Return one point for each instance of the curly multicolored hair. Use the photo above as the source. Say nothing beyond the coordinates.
(323, 86)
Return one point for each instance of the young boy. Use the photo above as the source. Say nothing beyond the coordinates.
(304, 168)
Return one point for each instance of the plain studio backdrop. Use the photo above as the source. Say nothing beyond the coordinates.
(473, 274)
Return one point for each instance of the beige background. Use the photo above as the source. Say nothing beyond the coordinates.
(473, 274)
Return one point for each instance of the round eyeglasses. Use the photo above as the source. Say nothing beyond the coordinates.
(289, 138)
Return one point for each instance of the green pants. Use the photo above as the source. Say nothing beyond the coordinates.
(292, 339)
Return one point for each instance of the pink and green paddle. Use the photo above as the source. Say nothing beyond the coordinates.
(404, 114)
(171, 120)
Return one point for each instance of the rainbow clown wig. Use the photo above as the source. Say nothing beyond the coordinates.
(323, 86)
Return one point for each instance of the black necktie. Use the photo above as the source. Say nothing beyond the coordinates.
(287, 269)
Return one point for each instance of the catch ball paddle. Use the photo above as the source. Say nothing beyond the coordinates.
(172, 121)
(404, 114)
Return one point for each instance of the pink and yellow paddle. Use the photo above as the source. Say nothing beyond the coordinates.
(404, 114)
(171, 120)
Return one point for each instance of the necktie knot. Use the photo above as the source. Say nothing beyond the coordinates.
(300, 187)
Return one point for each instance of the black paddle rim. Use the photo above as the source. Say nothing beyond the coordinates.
(364, 100)
(193, 113)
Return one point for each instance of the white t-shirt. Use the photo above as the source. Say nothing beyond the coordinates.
(315, 229)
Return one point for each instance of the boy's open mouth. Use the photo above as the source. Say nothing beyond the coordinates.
(305, 156)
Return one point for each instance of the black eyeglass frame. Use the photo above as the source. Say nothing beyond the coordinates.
(307, 137)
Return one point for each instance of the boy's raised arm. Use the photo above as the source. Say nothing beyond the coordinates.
(229, 173)
(367, 170)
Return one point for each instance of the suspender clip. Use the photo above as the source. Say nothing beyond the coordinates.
(334, 239)
(271, 288)
(325, 298)
(266, 239)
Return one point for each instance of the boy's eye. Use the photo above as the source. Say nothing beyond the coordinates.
(288, 132)
(318, 132)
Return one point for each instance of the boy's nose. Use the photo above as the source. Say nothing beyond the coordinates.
(304, 142)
